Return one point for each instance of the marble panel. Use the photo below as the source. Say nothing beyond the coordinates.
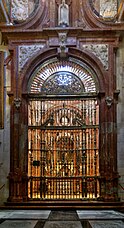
(18, 224)
(5, 214)
(96, 214)
(40, 224)
(30, 214)
(63, 215)
(107, 224)
(63, 224)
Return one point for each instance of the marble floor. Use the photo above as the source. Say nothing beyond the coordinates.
(61, 219)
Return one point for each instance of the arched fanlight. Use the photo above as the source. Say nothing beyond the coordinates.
(62, 77)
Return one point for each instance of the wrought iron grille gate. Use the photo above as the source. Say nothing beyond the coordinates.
(63, 149)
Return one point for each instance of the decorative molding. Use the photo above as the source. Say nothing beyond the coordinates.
(99, 50)
(26, 52)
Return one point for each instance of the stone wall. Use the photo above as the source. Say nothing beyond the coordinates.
(5, 138)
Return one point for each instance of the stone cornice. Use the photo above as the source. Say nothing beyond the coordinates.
(103, 35)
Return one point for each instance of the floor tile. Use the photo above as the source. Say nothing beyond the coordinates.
(29, 214)
(2, 220)
(40, 224)
(63, 215)
(97, 214)
(18, 224)
(63, 224)
(107, 224)
(5, 213)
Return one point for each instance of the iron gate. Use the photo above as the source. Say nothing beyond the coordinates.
(63, 149)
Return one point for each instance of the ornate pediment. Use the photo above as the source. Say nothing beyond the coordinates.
(86, 14)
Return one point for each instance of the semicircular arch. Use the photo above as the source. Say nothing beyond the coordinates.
(85, 63)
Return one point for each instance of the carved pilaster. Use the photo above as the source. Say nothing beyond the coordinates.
(18, 185)
(108, 152)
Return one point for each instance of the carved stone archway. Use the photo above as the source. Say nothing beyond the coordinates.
(19, 174)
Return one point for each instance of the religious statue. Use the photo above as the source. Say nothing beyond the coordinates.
(63, 14)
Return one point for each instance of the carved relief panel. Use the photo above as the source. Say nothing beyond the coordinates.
(108, 8)
(22, 9)
(26, 52)
(19, 10)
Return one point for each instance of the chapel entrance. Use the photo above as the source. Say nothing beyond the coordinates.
(63, 133)
(63, 151)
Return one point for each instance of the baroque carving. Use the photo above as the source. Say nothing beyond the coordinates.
(99, 50)
(108, 8)
(19, 10)
(22, 9)
(62, 42)
(26, 52)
